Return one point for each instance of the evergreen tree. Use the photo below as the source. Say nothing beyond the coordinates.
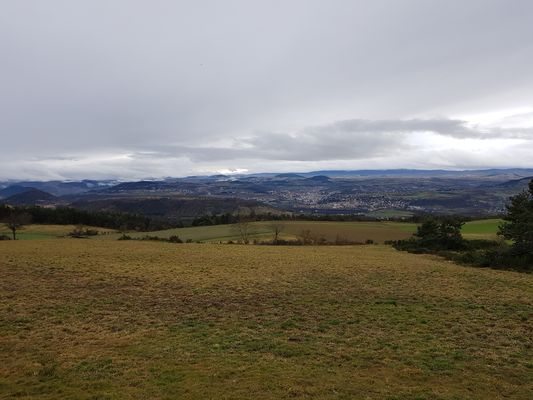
(441, 233)
(519, 222)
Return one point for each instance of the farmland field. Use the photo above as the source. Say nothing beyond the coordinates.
(481, 229)
(355, 231)
(96, 319)
(379, 232)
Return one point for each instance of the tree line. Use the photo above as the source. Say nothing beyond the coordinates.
(15, 217)
(233, 218)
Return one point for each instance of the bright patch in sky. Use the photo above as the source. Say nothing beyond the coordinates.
(521, 117)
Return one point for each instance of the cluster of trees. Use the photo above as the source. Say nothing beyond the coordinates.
(171, 239)
(239, 218)
(16, 217)
(215, 219)
(229, 218)
(443, 236)
(436, 234)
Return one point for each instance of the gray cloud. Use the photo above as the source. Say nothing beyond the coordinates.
(451, 127)
(354, 139)
(188, 82)
(299, 148)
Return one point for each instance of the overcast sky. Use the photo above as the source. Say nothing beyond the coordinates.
(133, 89)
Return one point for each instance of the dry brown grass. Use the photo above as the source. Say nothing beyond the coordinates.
(128, 320)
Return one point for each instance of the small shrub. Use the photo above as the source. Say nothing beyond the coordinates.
(283, 242)
(154, 238)
(175, 239)
(80, 232)
(4, 237)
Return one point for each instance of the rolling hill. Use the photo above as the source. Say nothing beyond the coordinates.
(30, 197)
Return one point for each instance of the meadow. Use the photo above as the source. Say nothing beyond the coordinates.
(377, 231)
(482, 229)
(97, 319)
(355, 231)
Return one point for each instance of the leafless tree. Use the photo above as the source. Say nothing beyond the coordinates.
(244, 229)
(276, 228)
(16, 221)
(306, 236)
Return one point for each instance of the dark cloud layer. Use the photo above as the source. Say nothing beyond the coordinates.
(131, 88)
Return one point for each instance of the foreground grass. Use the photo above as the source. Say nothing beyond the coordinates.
(86, 319)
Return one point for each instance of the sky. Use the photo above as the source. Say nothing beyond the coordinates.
(130, 89)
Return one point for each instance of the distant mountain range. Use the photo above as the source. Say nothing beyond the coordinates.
(61, 188)
(368, 192)
(57, 188)
(509, 172)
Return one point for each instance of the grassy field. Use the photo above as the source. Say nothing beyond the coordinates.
(379, 232)
(90, 319)
(482, 229)
(354, 231)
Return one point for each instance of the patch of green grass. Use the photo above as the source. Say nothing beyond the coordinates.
(481, 229)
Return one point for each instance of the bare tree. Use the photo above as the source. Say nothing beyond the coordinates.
(276, 228)
(16, 221)
(306, 236)
(244, 229)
